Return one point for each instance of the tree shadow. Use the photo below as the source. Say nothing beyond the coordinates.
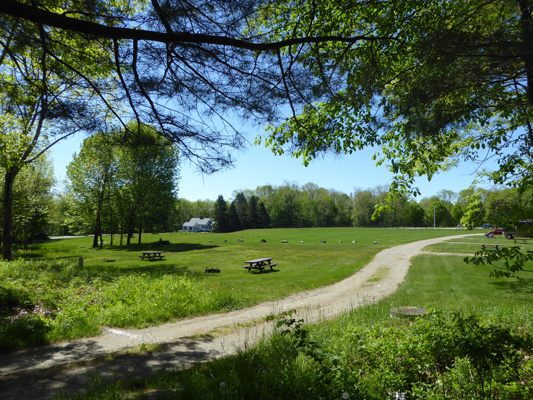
(523, 286)
(173, 247)
(263, 272)
(86, 366)
(152, 268)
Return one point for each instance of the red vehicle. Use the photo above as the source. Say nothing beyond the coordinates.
(493, 233)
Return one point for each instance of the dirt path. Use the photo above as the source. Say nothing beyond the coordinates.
(42, 373)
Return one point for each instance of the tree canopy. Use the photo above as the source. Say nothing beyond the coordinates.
(432, 83)
(426, 82)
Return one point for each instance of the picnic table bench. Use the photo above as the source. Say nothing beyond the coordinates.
(260, 264)
(490, 246)
(152, 255)
(163, 242)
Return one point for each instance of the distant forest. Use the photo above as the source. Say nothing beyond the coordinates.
(291, 205)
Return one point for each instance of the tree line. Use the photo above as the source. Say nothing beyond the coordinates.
(127, 186)
(424, 86)
(291, 205)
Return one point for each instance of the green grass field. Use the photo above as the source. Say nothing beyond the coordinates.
(475, 343)
(45, 296)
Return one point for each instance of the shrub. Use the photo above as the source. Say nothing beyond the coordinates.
(30, 330)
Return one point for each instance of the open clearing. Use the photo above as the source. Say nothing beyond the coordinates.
(41, 373)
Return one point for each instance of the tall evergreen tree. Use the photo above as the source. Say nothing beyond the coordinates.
(264, 218)
(241, 205)
(221, 215)
(233, 218)
(253, 213)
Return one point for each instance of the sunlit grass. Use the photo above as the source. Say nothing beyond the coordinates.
(276, 369)
(65, 298)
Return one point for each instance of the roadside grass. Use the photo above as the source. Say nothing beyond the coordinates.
(473, 244)
(476, 342)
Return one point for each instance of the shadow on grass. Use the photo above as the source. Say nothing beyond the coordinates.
(88, 367)
(174, 247)
(108, 252)
(523, 286)
(153, 268)
(37, 256)
(263, 272)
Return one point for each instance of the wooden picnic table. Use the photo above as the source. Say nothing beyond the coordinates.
(152, 255)
(260, 264)
(490, 246)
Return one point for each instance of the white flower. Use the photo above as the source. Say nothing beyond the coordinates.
(345, 395)
(222, 385)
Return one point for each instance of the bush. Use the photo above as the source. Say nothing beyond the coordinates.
(23, 332)
(437, 357)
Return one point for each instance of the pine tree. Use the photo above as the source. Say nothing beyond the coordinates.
(221, 215)
(253, 213)
(241, 205)
(233, 218)
(264, 218)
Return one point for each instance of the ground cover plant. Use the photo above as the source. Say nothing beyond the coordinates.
(476, 342)
(47, 296)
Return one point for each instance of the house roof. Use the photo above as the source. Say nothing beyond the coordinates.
(198, 221)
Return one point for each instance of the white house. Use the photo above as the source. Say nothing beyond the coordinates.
(198, 225)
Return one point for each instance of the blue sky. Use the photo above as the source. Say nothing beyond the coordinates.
(257, 166)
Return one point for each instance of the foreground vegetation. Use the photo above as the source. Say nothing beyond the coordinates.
(46, 296)
(476, 342)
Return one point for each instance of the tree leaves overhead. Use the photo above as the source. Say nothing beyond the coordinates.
(189, 67)
(440, 80)
(426, 82)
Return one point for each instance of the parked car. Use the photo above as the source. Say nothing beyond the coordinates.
(494, 232)
(523, 229)
(486, 226)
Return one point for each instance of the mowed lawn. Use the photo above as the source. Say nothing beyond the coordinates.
(46, 296)
(301, 266)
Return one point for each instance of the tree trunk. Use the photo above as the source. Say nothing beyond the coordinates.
(7, 211)
(527, 38)
(121, 233)
(131, 228)
(111, 220)
(26, 240)
(97, 225)
(96, 231)
(140, 232)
